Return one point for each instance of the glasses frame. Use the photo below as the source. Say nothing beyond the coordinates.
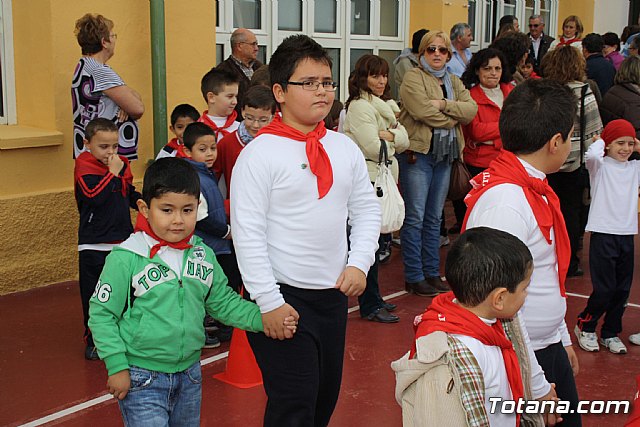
(254, 44)
(432, 50)
(262, 121)
(312, 85)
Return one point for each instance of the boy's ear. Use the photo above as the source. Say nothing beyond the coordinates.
(555, 142)
(143, 209)
(497, 298)
(211, 98)
(187, 151)
(86, 143)
(278, 93)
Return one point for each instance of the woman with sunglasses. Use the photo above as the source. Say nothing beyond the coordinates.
(371, 121)
(435, 105)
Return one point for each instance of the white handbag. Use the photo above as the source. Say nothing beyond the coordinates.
(388, 194)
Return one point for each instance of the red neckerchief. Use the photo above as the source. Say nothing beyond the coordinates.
(219, 130)
(445, 315)
(86, 164)
(319, 161)
(564, 41)
(178, 148)
(143, 225)
(634, 418)
(507, 169)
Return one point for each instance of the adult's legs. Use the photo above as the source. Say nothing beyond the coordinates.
(438, 186)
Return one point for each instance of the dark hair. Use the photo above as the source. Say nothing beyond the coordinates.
(99, 125)
(291, 52)
(416, 39)
(170, 175)
(261, 77)
(628, 31)
(332, 119)
(530, 60)
(534, 112)
(483, 259)
(184, 110)
(507, 20)
(367, 65)
(194, 131)
(90, 30)
(214, 81)
(480, 59)
(593, 43)
(260, 97)
(514, 46)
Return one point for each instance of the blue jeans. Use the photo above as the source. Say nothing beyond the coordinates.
(424, 187)
(156, 399)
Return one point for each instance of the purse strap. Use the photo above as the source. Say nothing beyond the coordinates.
(583, 124)
(384, 154)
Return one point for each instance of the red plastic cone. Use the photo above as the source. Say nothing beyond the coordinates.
(242, 369)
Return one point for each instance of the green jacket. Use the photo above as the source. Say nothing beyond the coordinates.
(141, 314)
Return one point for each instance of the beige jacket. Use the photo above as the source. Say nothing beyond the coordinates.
(419, 117)
(367, 116)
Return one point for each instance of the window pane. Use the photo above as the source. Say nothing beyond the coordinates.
(528, 9)
(217, 13)
(246, 14)
(334, 54)
(262, 54)
(488, 21)
(355, 55)
(360, 19)
(545, 13)
(219, 54)
(389, 56)
(471, 18)
(325, 16)
(290, 15)
(389, 18)
(510, 7)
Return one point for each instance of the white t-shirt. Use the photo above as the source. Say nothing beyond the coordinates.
(220, 121)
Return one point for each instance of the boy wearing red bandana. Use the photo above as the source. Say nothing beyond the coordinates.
(513, 195)
(181, 117)
(220, 91)
(154, 291)
(104, 193)
(468, 349)
(294, 189)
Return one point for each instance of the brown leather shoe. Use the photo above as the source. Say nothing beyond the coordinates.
(421, 288)
(437, 283)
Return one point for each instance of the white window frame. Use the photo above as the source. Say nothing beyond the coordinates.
(7, 64)
(270, 36)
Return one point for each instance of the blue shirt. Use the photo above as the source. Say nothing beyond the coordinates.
(456, 64)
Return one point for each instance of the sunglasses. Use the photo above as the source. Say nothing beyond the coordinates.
(432, 49)
(534, 25)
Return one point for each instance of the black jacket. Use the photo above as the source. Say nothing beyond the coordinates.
(545, 43)
(622, 101)
(601, 71)
(230, 65)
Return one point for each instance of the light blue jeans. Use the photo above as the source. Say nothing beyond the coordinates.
(156, 399)
(424, 184)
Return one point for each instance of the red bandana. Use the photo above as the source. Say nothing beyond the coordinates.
(319, 161)
(143, 225)
(222, 131)
(86, 164)
(445, 315)
(178, 148)
(564, 41)
(507, 169)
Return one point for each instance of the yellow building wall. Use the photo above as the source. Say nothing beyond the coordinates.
(436, 15)
(581, 8)
(37, 208)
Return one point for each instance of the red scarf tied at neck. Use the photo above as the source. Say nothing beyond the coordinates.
(507, 169)
(445, 315)
(143, 225)
(86, 164)
(221, 132)
(179, 148)
(564, 41)
(319, 161)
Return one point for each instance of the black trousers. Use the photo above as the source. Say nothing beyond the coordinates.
(557, 369)
(611, 265)
(302, 375)
(569, 187)
(91, 264)
(371, 300)
(229, 265)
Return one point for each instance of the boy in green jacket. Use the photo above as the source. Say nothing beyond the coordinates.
(146, 311)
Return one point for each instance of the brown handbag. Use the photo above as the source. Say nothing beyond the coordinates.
(459, 184)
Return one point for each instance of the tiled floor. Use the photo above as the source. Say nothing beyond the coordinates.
(43, 372)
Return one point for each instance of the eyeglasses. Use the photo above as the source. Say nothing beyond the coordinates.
(329, 86)
(534, 25)
(432, 49)
(254, 44)
(262, 121)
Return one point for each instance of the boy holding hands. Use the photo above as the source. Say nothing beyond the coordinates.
(293, 190)
(104, 193)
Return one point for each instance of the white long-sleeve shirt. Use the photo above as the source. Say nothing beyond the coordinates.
(283, 233)
(614, 193)
(505, 207)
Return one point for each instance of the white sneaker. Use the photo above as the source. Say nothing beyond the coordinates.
(614, 345)
(588, 341)
(444, 241)
(635, 338)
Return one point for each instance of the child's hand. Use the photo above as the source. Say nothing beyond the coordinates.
(273, 322)
(636, 145)
(595, 137)
(115, 164)
(291, 323)
(118, 384)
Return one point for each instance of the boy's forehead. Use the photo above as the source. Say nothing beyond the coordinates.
(312, 68)
(228, 88)
(258, 111)
(105, 135)
(171, 198)
(206, 139)
(185, 120)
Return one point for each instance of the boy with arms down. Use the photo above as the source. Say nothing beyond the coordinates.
(293, 190)
(485, 357)
(147, 309)
(104, 193)
(220, 91)
(513, 195)
(181, 117)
